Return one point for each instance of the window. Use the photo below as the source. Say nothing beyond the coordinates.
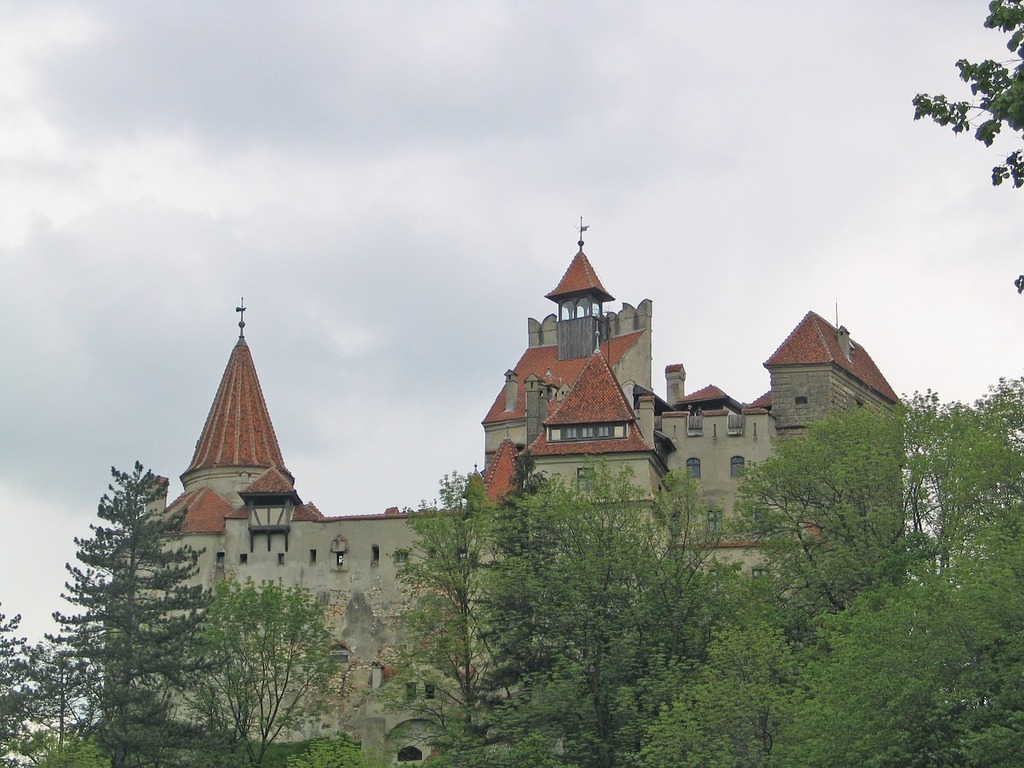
(567, 311)
(429, 691)
(693, 467)
(339, 559)
(401, 556)
(410, 691)
(714, 521)
(604, 430)
(801, 400)
(736, 464)
(758, 573)
(243, 559)
(375, 555)
(585, 478)
(695, 423)
(340, 654)
(312, 557)
(220, 559)
(280, 558)
(409, 755)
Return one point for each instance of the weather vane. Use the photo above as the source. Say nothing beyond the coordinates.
(582, 230)
(241, 319)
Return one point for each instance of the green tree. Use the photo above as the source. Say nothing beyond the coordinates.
(57, 700)
(137, 616)
(12, 677)
(827, 510)
(446, 664)
(268, 652)
(593, 592)
(324, 753)
(730, 716)
(998, 91)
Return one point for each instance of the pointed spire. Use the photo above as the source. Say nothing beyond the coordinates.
(580, 279)
(238, 431)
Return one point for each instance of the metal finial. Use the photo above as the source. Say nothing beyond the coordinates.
(241, 319)
(582, 230)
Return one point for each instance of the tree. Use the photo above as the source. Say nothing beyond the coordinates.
(269, 657)
(339, 753)
(57, 700)
(446, 664)
(137, 615)
(827, 510)
(12, 671)
(594, 592)
(998, 92)
(731, 714)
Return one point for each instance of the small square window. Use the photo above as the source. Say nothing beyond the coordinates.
(759, 573)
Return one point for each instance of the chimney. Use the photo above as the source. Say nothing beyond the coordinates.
(536, 407)
(675, 383)
(646, 413)
(843, 336)
(511, 390)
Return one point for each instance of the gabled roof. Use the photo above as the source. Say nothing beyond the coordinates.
(204, 511)
(273, 481)
(710, 397)
(595, 397)
(238, 431)
(764, 401)
(544, 363)
(499, 479)
(814, 340)
(579, 279)
(633, 443)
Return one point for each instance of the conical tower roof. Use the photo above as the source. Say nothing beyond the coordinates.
(238, 431)
(580, 279)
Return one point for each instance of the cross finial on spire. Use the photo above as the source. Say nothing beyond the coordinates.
(241, 319)
(582, 230)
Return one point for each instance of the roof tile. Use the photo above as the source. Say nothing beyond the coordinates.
(238, 431)
(541, 360)
(595, 397)
(814, 340)
(499, 479)
(579, 278)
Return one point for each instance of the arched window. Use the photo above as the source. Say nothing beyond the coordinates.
(693, 467)
(567, 310)
(736, 466)
(409, 754)
(583, 307)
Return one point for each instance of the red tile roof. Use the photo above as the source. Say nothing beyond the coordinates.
(814, 340)
(579, 278)
(633, 443)
(271, 481)
(307, 513)
(238, 431)
(204, 511)
(499, 479)
(764, 401)
(710, 392)
(595, 397)
(541, 360)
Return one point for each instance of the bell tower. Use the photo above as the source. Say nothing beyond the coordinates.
(580, 297)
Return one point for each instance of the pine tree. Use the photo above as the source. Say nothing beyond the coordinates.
(137, 614)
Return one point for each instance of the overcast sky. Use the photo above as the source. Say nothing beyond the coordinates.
(393, 187)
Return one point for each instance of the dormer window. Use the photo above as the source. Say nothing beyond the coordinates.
(587, 432)
(270, 514)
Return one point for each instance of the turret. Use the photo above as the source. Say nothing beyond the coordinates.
(580, 297)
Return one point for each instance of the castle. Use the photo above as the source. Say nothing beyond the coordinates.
(581, 391)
